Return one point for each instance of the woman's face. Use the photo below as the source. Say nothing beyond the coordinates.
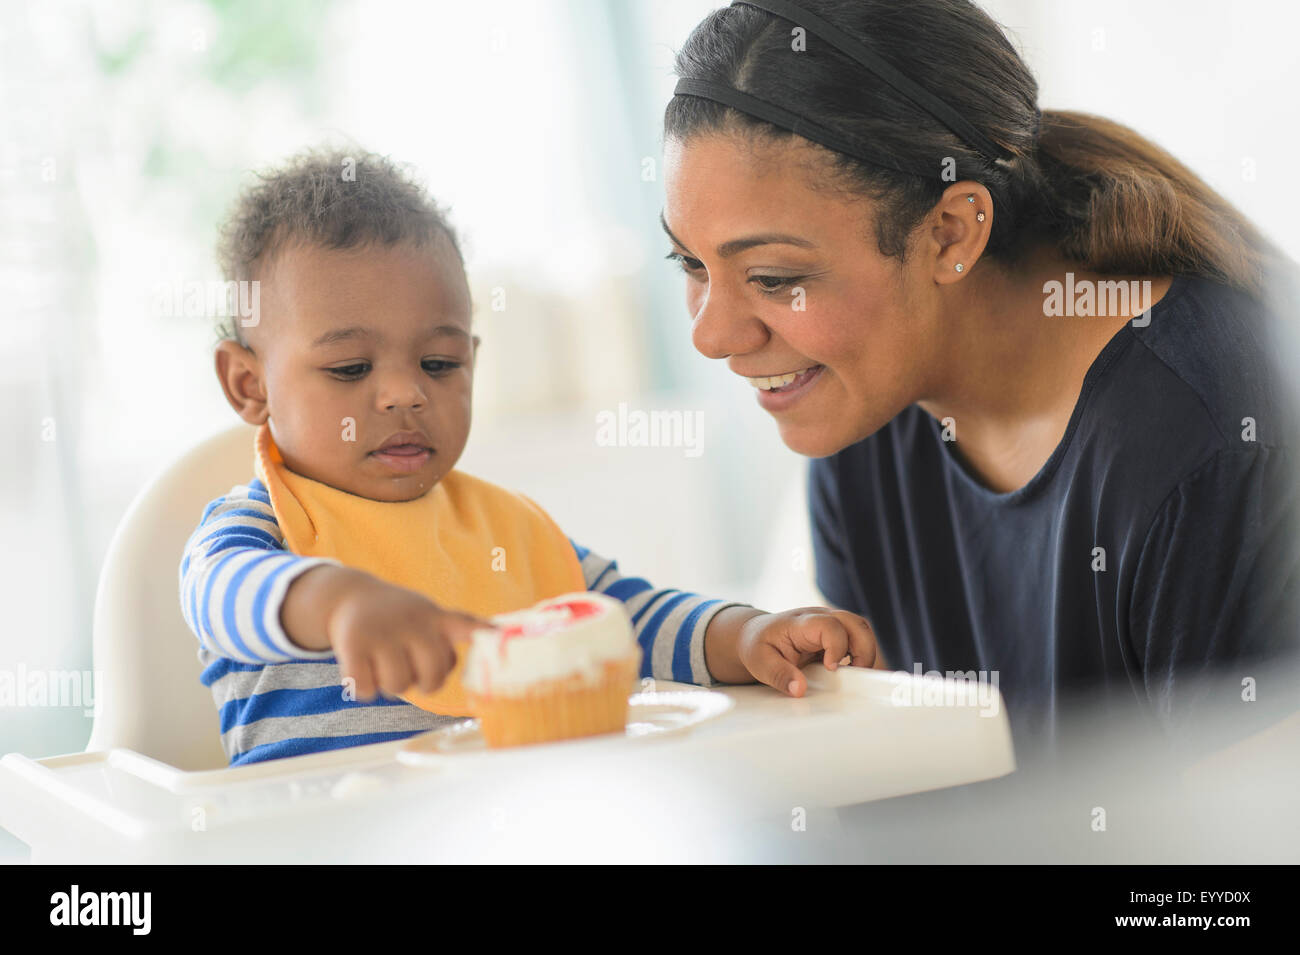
(783, 279)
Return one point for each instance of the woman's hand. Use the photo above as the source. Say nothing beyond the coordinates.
(772, 647)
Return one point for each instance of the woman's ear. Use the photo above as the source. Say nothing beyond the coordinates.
(963, 221)
(240, 374)
(473, 359)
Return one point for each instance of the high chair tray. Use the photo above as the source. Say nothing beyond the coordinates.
(745, 752)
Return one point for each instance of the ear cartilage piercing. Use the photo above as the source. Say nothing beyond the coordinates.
(979, 217)
(971, 197)
(958, 266)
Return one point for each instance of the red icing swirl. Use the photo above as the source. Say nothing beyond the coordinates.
(550, 618)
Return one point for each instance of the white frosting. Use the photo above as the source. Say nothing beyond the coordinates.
(553, 644)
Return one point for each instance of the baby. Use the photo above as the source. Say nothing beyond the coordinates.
(331, 590)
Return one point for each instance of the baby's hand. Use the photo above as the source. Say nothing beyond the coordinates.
(390, 638)
(773, 646)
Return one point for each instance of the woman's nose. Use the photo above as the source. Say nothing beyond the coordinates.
(724, 327)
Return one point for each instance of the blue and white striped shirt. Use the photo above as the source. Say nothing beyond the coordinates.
(277, 699)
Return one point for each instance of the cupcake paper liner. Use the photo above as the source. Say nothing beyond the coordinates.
(564, 708)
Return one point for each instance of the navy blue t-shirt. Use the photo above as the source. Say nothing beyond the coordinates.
(1157, 543)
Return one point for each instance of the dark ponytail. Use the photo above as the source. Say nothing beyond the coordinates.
(1124, 205)
(1103, 195)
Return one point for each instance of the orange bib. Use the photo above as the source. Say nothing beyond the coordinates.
(467, 545)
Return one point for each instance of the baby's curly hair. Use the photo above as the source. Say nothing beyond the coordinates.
(336, 198)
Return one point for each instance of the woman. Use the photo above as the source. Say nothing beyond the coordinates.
(1025, 350)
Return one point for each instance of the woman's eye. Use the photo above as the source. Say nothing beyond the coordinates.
(349, 372)
(767, 284)
(782, 283)
(687, 263)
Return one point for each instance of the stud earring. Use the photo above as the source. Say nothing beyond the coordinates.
(979, 217)
(958, 266)
(971, 197)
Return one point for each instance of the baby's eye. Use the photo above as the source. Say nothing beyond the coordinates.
(440, 366)
(349, 372)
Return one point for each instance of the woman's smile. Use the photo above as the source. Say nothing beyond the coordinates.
(779, 392)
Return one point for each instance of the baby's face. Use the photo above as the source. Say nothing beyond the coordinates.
(354, 348)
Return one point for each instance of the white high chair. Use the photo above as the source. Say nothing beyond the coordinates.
(154, 785)
(144, 652)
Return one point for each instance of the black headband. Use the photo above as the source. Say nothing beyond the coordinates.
(869, 60)
(780, 116)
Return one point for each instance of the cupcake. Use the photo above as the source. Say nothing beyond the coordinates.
(560, 669)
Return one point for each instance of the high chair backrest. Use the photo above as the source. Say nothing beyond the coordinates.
(145, 655)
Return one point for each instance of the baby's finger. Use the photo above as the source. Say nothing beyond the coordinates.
(770, 667)
(393, 670)
(816, 633)
(862, 639)
(429, 664)
(358, 670)
(835, 640)
(459, 627)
